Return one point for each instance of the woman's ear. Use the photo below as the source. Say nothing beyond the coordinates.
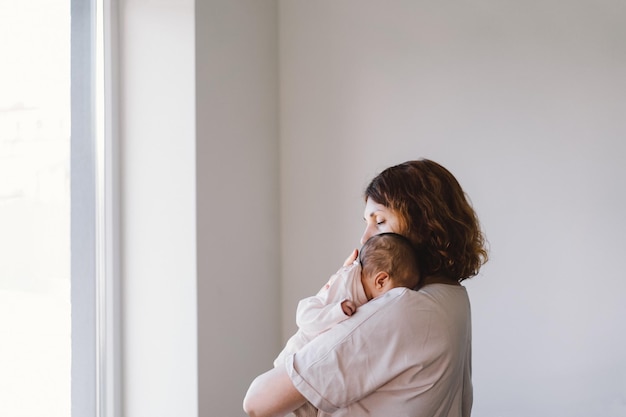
(381, 279)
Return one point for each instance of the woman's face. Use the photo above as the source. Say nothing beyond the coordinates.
(379, 219)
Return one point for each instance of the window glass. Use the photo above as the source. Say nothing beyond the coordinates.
(35, 318)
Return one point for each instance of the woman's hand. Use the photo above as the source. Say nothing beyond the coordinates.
(353, 257)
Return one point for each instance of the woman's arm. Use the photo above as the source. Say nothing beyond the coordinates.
(272, 394)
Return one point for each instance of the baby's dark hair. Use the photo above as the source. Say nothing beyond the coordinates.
(391, 253)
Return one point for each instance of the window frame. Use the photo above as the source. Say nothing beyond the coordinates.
(95, 267)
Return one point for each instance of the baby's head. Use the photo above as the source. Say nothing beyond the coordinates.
(387, 261)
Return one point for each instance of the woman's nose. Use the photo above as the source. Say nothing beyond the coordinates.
(366, 235)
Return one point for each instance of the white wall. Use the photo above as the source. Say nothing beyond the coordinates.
(237, 192)
(200, 212)
(158, 210)
(525, 103)
(522, 101)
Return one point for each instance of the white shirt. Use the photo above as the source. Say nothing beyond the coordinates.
(319, 313)
(405, 353)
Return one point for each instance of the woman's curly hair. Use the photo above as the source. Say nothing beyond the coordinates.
(435, 215)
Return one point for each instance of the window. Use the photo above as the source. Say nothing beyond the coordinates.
(57, 304)
(96, 381)
(35, 353)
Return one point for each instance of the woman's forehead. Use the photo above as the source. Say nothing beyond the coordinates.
(372, 208)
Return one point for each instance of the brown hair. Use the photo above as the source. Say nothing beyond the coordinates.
(391, 253)
(435, 215)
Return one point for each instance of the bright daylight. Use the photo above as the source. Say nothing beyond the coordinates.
(35, 208)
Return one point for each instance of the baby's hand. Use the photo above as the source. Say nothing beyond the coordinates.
(348, 307)
(353, 257)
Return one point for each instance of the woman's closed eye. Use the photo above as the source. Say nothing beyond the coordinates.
(378, 219)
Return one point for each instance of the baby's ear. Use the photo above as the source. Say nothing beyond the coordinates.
(381, 280)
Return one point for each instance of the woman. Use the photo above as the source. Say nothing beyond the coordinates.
(405, 353)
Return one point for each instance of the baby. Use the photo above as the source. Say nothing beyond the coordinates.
(387, 261)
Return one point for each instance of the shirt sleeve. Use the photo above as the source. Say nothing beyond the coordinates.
(354, 358)
(319, 313)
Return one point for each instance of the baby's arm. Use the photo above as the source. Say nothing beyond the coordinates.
(314, 316)
(331, 305)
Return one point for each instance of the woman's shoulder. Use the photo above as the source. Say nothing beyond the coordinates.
(434, 300)
(444, 294)
(430, 291)
(443, 289)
